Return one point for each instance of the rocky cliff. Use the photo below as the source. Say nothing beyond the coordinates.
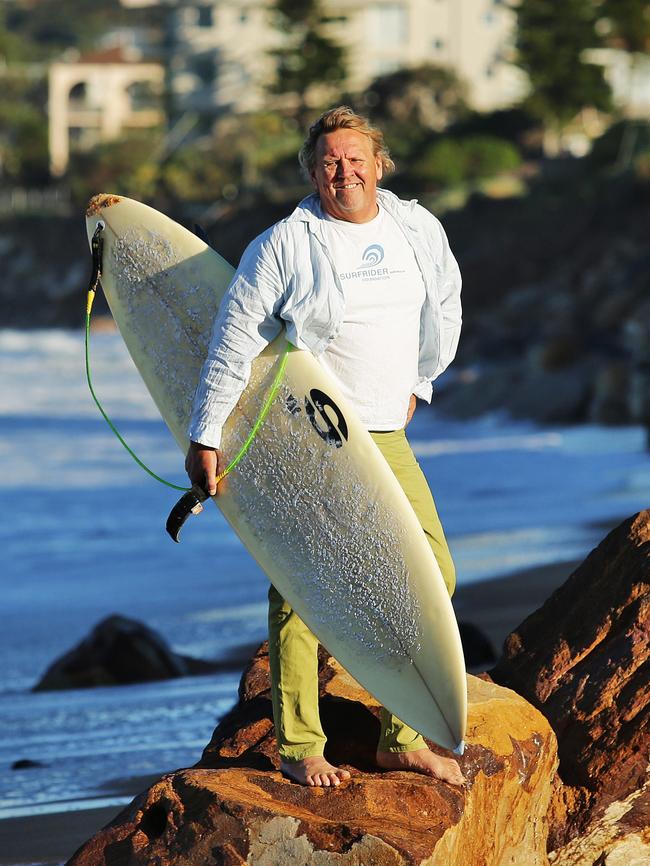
(580, 667)
(235, 807)
(583, 660)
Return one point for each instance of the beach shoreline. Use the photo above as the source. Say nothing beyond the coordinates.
(496, 606)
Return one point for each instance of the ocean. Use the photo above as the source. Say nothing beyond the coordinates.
(83, 536)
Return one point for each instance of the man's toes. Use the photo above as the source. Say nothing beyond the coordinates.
(455, 776)
(343, 774)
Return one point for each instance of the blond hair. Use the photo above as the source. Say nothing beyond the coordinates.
(343, 117)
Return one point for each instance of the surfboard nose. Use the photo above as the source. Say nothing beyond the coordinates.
(100, 202)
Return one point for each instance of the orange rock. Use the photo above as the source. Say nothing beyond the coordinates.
(235, 807)
(582, 659)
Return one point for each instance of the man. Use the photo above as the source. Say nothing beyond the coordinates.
(352, 271)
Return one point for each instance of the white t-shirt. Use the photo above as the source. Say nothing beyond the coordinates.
(374, 357)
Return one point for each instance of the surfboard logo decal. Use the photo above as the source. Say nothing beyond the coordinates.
(333, 432)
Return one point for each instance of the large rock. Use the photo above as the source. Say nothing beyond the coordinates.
(119, 651)
(618, 836)
(235, 807)
(582, 659)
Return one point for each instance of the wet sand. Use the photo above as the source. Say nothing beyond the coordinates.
(496, 606)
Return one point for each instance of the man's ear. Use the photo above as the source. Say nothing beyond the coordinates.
(312, 175)
(379, 167)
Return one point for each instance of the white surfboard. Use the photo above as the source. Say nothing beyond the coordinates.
(313, 500)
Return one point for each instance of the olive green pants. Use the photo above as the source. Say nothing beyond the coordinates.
(293, 649)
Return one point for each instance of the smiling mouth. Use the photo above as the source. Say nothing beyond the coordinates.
(347, 186)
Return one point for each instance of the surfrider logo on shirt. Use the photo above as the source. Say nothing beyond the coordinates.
(372, 256)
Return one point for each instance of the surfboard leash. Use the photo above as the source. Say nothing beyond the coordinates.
(191, 501)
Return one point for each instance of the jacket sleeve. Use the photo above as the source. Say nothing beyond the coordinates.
(448, 285)
(246, 322)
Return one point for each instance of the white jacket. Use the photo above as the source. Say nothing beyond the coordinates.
(286, 276)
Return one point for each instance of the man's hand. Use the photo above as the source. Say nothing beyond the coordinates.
(203, 464)
(412, 403)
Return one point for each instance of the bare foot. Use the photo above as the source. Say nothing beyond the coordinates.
(314, 771)
(423, 761)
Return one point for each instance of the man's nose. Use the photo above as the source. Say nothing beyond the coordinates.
(343, 167)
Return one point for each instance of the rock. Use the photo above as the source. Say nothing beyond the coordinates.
(235, 807)
(26, 764)
(582, 659)
(552, 396)
(619, 837)
(547, 396)
(612, 387)
(118, 651)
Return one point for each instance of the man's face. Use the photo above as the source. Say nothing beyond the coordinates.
(346, 174)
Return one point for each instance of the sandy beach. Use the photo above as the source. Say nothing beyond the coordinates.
(496, 606)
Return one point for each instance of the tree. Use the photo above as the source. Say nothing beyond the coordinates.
(409, 104)
(626, 25)
(552, 37)
(311, 62)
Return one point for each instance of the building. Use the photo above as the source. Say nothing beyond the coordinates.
(470, 37)
(218, 53)
(96, 97)
(628, 75)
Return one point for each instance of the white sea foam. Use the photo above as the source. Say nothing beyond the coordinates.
(487, 444)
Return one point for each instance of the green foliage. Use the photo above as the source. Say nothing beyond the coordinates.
(124, 166)
(197, 174)
(552, 36)
(310, 59)
(24, 155)
(627, 24)
(441, 164)
(451, 161)
(12, 47)
(257, 144)
(487, 156)
(47, 27)
(409, 103)
(516, 125)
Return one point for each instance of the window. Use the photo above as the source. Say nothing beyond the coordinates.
(204, 16)
(142, 95)
(78, 95)
(388, 24)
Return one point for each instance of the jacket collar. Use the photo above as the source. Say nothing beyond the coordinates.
(309, 210)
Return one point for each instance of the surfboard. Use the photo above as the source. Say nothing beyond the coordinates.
(313, 499)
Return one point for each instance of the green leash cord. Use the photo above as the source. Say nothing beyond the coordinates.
(96, 246)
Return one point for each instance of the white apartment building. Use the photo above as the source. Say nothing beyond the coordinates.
(471, 37)
(96, 97)
(219, 51)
